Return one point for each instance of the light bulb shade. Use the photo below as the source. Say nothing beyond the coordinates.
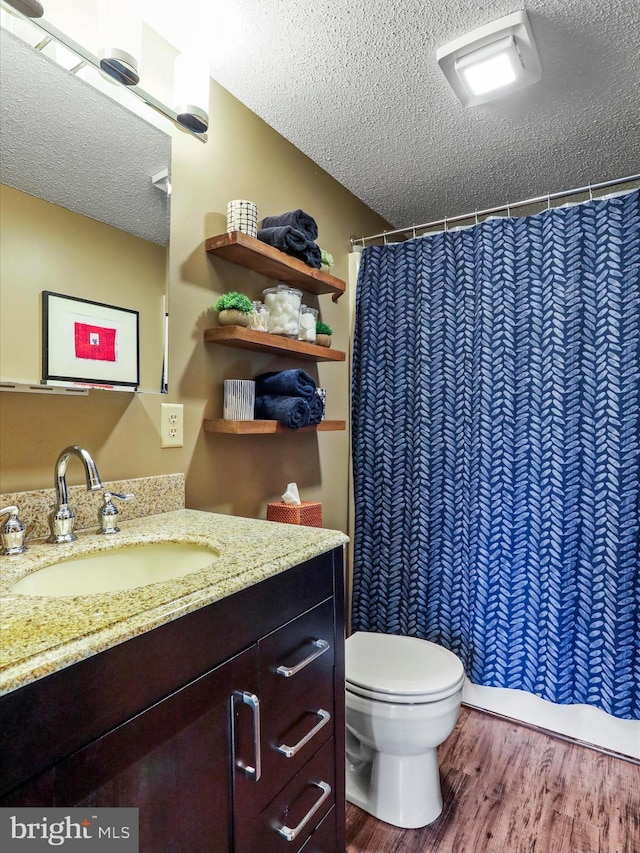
(191, 92)
(120, 23)
(29, 8)
(494, 60)
(490, 67)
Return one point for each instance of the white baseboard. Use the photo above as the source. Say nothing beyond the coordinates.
(580, 722)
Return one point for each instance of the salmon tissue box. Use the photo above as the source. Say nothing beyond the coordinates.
(306, 513)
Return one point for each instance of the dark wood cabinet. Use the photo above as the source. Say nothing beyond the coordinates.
(225, 727)
(173, 760)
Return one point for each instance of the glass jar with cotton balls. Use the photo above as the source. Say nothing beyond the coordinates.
(284, 304)
(308, 318)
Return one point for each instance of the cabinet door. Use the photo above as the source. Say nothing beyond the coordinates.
(36, 792)
(173, 762)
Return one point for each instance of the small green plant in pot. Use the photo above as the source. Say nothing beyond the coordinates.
(323, 334)
(326, 260)
(234, 309)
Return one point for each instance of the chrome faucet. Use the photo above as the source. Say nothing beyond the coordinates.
(109, 512)
(12, 533)
(63, 519)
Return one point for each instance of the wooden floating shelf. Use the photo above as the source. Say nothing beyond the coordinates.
(265, 427)
(260, 257)
(243, 338)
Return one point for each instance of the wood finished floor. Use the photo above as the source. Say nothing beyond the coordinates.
(511, 789)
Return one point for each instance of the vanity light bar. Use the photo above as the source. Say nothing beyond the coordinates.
(91, 59)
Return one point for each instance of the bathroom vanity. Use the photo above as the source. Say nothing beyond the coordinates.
(224, 724)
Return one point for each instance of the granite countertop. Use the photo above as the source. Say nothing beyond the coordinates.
(40, 635)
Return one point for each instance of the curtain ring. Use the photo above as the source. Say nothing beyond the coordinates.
(590, 193)
(363, 242)
(446, 227)
(476, 214)
(548, 201)
(414, 231)
(384, 237)
(508, 211)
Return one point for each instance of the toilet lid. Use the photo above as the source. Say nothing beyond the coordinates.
(401, 669)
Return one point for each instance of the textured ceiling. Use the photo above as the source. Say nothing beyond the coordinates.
(357, 88)
(66, 142)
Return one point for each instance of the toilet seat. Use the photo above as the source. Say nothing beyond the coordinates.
(404, 698)
(400, 670)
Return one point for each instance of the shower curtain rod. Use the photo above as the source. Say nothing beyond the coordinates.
(508, 207)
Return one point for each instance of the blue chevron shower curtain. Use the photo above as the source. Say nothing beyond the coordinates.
(496, 448)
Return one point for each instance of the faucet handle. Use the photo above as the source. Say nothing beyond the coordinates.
(109, 511)
(12, 533)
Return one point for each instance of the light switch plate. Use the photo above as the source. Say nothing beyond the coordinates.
(171, 425)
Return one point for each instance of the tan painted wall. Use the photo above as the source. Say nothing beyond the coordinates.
(244, 158)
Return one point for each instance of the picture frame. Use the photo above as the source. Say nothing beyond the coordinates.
(89, 343)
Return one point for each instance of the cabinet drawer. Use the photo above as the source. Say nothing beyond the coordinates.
(292, 816)
(296, 693)
(323, 839)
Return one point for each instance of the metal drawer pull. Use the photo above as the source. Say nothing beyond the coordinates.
(287, 671)
(253, 702)
(290, 751)
(291, 834)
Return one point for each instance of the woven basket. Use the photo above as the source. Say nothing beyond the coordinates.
(307, 513)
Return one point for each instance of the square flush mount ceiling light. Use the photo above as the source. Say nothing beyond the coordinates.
(492, 61)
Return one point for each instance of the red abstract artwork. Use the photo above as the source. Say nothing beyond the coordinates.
(95, 342)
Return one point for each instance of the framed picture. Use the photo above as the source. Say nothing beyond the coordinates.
(89, 343)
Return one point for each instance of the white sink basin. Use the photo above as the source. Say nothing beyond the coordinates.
(121, 568)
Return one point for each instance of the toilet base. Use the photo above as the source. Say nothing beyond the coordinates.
(403, 790)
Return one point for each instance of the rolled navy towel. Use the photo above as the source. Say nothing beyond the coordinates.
(315, 409)
(297, 219)
(293, 412)
(285, 238)
(311, 255)
(292, 383)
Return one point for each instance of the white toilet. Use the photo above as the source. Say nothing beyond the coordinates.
(403, 698)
